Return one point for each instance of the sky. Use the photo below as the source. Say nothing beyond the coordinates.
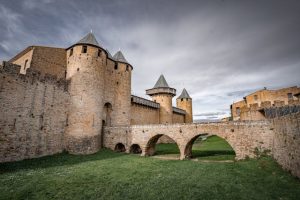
(219, 50)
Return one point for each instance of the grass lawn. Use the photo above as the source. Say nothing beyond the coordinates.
(110, 175)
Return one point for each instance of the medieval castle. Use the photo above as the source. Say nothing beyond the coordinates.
(78, 90)
(79, 99)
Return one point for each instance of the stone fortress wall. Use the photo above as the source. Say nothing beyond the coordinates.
(33, 113)
(286, 142)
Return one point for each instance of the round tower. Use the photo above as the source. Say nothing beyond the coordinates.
(161, 93)
(184, 102)
(85, 70)
(122, 90)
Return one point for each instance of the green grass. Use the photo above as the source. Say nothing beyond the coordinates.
(110, 175)
(213, 148)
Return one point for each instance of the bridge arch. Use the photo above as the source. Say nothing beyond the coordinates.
(152, 141)
(120, 147)
(187, 153)
(135, 149)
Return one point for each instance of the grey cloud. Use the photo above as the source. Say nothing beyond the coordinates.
(217, 50)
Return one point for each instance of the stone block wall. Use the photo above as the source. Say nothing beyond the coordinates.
(141, 114)
(47, 60)
(24, 59)
(33, 113)
(178, 118)
(286, 143)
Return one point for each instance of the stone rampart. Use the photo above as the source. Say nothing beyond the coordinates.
(286, 144)
(33, 113)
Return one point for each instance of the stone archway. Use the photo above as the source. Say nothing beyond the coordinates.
(120, 147)
(151, 143)
(189, 145)
(107, 112)
(135, 149)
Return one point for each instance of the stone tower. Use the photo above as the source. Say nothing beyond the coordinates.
(163, 94)
(122, 90)
(85, 70)
(184, 101)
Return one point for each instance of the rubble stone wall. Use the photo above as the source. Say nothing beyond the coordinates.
(286, 144)
(33, 113)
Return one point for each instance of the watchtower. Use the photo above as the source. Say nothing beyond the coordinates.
(85, 70)
(184, 101)
(161, 93)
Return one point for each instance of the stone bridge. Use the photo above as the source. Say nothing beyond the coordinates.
(245, 138)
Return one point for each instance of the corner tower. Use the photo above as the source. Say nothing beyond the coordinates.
(85, 70)
(161, 93)
(184, 101)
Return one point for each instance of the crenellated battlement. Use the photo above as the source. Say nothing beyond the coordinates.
(268, 104)
(32, 75)
(267, 110)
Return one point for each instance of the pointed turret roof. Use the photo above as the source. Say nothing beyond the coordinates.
(109, 55)
(161, 82)
(89, 39)
(120, 57)
(184, 95)
(161, 87)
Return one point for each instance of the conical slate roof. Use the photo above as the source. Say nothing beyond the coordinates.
(161, 82)
(89, 39)
(120, 57)
(184, 95)
(109, 55)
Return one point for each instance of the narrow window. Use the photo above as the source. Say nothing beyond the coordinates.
(181, 99)
(127, 68)
(84, 49)
(25, 65)
(238, 111)
(71, 52)
(99, 52)
(116, 66)
(255, 97)
(290, 96)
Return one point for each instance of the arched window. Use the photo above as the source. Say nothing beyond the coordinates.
(116, 66)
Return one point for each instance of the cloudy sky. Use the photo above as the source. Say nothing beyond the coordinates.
(219, 50)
